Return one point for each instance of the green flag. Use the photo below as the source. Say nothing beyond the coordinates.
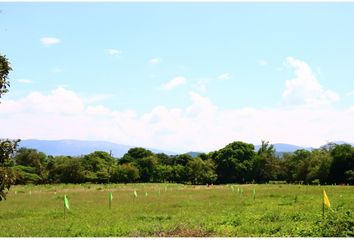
(66, 202)
(146, 194)
(232, 188)
(254, 194)
(135, 194)
(110, 196)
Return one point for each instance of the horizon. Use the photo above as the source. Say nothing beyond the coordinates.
(139, 74)
(169, 152)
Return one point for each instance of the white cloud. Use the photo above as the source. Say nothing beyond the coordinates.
(263, 62)
(225, 76)
(98, 98)
(201, 85)
(48, 41)
(175, 82)
(113, 52)
(305, 89)
(25, 81)
(200, 126)
(154, 61)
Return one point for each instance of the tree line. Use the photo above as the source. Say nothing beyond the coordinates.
(238, 162)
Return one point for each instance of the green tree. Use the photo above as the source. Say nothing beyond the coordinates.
(319, 166)
(234, 163)
(135, 153)
(98, 166)
(349, 176)
(267, 165)
(163, 173)
(35, 159)
(201, 172)
(7, 176)
(25, 175)
(4, 73)
(182, 159)
(343, 161)
(7, 147)
(178, 174)
(164, 159)
(125, 173)
(144, 160)
(147, 167)
(66, 169)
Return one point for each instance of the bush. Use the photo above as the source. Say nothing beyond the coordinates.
(335, 223)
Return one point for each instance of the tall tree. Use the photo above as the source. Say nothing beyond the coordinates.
(201, 172)
(7, 147)
(98, 166)
(234, 163)
(343, 161)
(33, 158)
(267, 166)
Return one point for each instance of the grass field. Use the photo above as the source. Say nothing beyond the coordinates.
(175, 210)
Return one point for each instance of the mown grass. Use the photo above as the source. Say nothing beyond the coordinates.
(169, 210)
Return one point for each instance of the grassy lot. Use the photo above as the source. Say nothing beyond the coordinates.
(176, 210)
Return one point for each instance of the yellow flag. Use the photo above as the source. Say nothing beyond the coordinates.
(325, 199)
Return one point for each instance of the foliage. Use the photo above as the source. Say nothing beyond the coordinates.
(125, 173)
(343, 160)
(335, 223)
(234, 163)
(201, 172)
(7, 147)
(238, 162)
(7, 177)
(267, 166)
(25, 175)
(5, 69)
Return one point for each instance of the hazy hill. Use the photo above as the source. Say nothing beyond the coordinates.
(79, 147)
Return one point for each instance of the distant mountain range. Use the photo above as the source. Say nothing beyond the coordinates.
(81, 147)
(283, 147)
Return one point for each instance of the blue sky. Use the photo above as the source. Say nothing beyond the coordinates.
(179, 76)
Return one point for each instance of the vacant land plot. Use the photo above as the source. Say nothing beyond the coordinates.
(167, 210)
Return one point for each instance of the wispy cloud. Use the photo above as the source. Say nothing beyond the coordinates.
(25, 81)
(113, 52)
(154, 61)
(225, 76)
(201, 85)
(49, 41)
(177, 81)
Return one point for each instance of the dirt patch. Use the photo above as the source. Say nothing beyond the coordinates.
(182, 231)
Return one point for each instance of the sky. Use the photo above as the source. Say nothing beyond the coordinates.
(179, 76)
